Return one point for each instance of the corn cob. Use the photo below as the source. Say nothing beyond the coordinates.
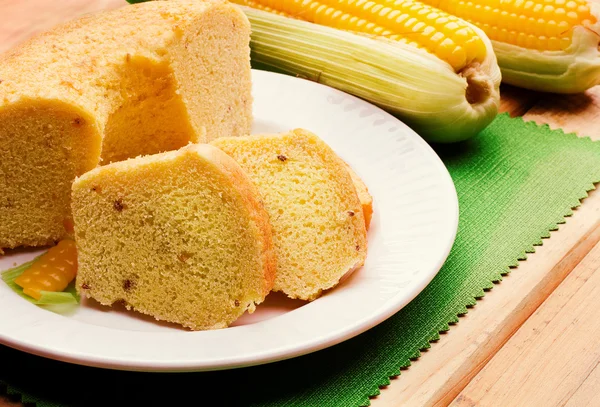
(411, 22)
(424, 91)
(547, 45)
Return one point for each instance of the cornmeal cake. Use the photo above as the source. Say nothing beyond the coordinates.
(181, 236)
(141, 79)
(317, 220)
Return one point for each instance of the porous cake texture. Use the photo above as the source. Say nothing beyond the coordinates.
(181, 236)
(317, 220)
(141, 79)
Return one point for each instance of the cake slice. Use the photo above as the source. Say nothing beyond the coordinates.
(316, 216)
(141, 79)
(181, 236)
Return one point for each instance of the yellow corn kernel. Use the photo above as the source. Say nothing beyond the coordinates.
(411, 22)
(546, 25)
(53, 271)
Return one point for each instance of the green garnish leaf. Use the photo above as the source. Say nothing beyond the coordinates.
(57, 298)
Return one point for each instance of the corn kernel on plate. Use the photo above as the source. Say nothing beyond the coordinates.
(412, 230)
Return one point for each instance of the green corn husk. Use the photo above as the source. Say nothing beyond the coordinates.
(418, 87)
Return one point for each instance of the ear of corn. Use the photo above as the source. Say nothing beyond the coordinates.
(426, 92)
(547, 45)
(410, 22)
(449, 38)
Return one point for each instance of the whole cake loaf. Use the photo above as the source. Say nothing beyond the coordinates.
(181, 236)
(141, 79)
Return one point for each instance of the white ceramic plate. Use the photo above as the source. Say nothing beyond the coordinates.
(413, 228)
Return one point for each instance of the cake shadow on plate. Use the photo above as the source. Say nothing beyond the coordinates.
(119, 309)
(276, 304)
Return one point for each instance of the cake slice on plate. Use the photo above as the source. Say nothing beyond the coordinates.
(181, 236)
(317, 219)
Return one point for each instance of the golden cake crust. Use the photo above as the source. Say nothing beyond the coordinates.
(251, 196)
(366, 200)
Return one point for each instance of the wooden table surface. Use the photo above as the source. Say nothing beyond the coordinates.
(534, 340)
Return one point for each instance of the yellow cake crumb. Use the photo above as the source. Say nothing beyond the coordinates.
(317, 219)
(181, 236)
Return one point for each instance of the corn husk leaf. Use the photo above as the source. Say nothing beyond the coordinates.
(419, 88)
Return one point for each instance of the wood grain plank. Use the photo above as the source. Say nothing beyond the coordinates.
(587, 393)
(568, 112)
(517, 101)
(443, 371)
(24, 18)
(553, 358)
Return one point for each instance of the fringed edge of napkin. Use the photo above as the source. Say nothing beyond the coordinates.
(461, 312)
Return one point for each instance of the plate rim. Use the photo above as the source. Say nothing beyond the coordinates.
(385, 311)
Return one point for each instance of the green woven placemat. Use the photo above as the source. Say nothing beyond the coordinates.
(515, 182)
